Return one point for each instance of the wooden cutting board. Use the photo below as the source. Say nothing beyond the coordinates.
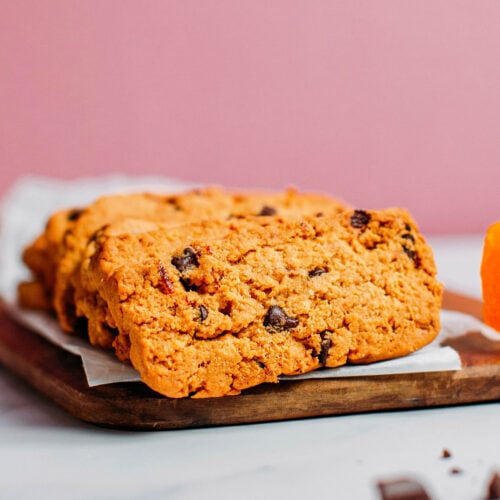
(59, 376)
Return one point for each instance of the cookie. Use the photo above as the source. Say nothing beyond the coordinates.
(42, 257)
(62, 245)
(211, 308)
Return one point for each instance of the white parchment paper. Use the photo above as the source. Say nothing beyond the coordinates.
(32, 200)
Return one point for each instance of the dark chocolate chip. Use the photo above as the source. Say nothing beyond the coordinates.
(74, 214)
(226, 308)
(320, 214)
(408, 227)
(165, 283)
(317, 271)
(411, 253)
(260, 363)
(446, 453)
(188, 285)
(203, 313)
(187, 260)
(112, 331)
(402, 489)
(277, 320)
(408, 236)
(326, 342)
(360, 219)
(494, 487)
(267, 210)
(456, 470)
(175, 204)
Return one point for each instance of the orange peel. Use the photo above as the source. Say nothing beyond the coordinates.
(490, 276)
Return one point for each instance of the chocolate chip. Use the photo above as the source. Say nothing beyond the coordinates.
(165, 283)
(456, 470)
(188, 285)
(411, 253)
(317, 271)
(226, 308)
(267, 210)
(277, 320)
(360, 219)
(494, 487)
(402, 489)
(203, 313)
(446, 453)
(187, 260)
(408, 236)
(74, 214)
(326, 342)
(174, 202)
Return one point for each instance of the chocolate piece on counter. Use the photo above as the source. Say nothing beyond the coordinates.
(456, 470)
(402, 489)
(494, 487)
(446, 453)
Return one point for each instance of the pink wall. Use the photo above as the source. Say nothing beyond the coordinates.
(379, 102)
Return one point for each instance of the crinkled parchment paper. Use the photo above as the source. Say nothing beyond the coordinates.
(32, 200)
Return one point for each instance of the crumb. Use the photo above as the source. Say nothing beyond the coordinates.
(446, 453)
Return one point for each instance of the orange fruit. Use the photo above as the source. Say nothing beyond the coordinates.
(490, 276)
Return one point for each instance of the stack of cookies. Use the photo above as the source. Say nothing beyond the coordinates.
(209, 292)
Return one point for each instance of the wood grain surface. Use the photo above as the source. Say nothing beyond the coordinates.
(59, 376)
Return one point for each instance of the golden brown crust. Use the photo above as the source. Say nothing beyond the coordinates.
(211, 308)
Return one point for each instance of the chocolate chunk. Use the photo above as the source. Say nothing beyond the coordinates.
(326, 342)
(494, 487)
(402, 489)
(203, 313)
(74, 214)
(456, 470)
(165, 283)
(277, 320)
(267, 210)
(187, 260)
(408, 236)
(360, 219)
(446, 453)
(317, 271)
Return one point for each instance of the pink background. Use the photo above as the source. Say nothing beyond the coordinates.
(379, 102)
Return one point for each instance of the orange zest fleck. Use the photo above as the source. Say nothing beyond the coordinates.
(490, 276)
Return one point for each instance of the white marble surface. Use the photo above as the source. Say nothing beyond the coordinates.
(45, 453)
